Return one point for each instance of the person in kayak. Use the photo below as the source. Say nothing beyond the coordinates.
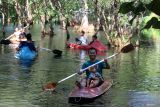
(26, 49)
(29, 43)
(94, 38)
(97, 44)
(93, 74)
(14, 38)
(93, 77)
(82, 39)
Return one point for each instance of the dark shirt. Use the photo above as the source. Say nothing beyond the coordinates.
(28, 44)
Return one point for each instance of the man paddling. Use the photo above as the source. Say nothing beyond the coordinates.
(26, 49)
(90, 80)
(29, 43)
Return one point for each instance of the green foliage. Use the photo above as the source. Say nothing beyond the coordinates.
(153, 22)
(150, 33)
(137, 7)
(105, 3)
(154, 6)
(126, 7)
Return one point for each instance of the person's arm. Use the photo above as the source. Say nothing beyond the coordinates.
(81, 72)
(17, 49)
(87, 41)
(19, 46)
(91, 42)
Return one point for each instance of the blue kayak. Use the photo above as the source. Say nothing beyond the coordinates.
(26, 54)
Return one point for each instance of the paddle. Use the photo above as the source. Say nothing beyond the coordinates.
(5, 42)
(52, 85)
(55, 51)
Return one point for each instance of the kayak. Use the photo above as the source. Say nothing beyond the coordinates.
(26, 54)
(97, 45)
(77, 46)
(87, 95)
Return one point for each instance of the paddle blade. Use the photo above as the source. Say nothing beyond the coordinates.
(5, 42)
(58, 52)
(50, 87)
(127, 48)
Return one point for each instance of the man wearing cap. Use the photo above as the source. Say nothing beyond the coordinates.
(97, 70)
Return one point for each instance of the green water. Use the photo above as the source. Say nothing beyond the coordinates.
(136, 76)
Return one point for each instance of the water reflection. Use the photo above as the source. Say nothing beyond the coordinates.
(82, 54)
(25, 63)
(143, 99)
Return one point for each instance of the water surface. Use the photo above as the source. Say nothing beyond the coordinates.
(136, 75)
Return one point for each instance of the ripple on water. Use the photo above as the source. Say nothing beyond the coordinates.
(143, 99)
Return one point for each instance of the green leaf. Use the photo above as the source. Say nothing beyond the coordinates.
(154, 6)
(126, 7)
(154, 23)
(139, 8)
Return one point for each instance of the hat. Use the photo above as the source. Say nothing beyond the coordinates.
(92, 51)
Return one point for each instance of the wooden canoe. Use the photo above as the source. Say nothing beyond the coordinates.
(87, 95)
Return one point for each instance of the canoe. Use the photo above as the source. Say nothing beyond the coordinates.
(76, 46)
(97, 45)
(87, 95)
(26, 54)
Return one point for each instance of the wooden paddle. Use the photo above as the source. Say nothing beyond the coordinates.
(52, 85)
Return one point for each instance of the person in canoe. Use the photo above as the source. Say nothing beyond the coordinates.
(94, 74)
(27, 49)
(94, 39)
(82, 39)
(14, 38)
(17, 36)
(98, 45)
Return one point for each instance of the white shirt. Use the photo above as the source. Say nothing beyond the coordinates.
(17, 34)
(84, 40)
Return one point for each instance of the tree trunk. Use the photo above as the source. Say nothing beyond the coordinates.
(43, 20)
(28, 9)
(18, 10)
(84, 22)
(97, 14)
(3, 24)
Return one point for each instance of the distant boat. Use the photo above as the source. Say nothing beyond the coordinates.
(96, 44)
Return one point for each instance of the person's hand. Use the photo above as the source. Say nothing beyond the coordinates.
(80, 73)
(107, 65)
(105, 60)
(17, 49)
